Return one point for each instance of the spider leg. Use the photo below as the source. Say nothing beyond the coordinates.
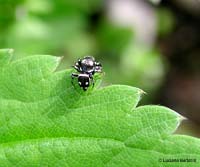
(77, 67)
(98, 67)
(79, 60)
(73, 75)
(78, 63)
(92, 80)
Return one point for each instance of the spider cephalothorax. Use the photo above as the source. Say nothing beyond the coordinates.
(86, 67)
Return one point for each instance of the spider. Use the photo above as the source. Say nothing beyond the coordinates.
(86, 68)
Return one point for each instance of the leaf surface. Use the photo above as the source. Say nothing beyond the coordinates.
(46, 121)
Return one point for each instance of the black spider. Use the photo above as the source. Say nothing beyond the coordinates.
(86, 67)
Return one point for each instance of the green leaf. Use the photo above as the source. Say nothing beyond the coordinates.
(46, 121)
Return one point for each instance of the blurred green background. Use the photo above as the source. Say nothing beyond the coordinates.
(150, 44)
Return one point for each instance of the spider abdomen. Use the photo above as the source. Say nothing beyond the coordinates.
(84, 81)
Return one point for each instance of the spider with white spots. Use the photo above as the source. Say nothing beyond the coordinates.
(86, 67)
